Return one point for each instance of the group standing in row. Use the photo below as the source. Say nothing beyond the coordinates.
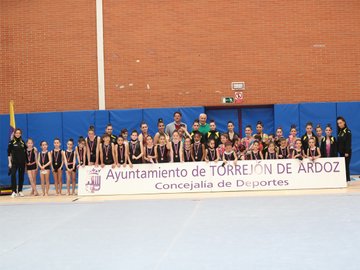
(173, 143)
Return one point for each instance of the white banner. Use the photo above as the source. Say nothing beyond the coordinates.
(213, 177)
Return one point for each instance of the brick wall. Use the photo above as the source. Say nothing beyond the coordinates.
(178, 53)
(48, 55)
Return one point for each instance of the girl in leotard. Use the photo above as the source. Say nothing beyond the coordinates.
(70, 166)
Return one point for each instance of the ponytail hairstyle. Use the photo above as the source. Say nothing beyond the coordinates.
(41, 143)
(122, 132)
(196, 121)
(257, 137)
(143, 123)
(242, 148)
(105, 135)
(81, 139)
(342, 119)
(328, 125)
(271, 143)
(161, 121)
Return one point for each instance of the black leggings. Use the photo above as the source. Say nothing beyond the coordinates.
(347, 165)
(21, 169)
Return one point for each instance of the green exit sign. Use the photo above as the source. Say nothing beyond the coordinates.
(227, 100)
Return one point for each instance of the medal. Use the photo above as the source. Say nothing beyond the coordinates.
(162, 152)
(121, 153)
(68, 156)
(133, 148)
(43, 157)
(148, 152)
(212, 154)
(106, 147)
(196, 149)
(176, 149)
(56, 156)
(29, 155)
(81, 154)
(187, 153)
(91, 146)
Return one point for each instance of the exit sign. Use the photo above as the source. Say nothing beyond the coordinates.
(228, 100)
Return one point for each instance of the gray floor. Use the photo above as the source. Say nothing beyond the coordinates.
(285, 232)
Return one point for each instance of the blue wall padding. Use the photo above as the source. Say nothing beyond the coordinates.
(47, 126)
(21, 122)
(250, 116)
(129, 119)
(101, 120)
(151, 116)
(221, 118)
(286, 115)
(190, 114)
(317, 113)
(4, 140)
(350, 111)
(75, 124)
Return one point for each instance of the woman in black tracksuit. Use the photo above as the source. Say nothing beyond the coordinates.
(16, 158)
(344, 143)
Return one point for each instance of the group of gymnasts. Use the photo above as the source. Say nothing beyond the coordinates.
(176, 144)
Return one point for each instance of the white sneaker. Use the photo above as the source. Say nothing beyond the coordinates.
(21, 194)
(13, 195)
